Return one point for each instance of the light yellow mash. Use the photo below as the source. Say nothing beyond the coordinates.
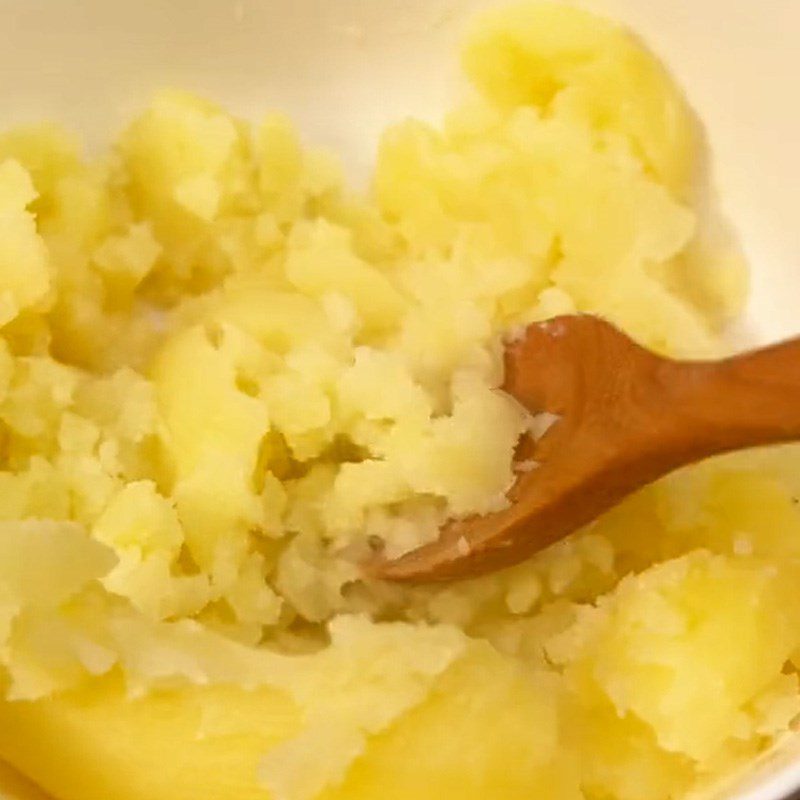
(223, 374)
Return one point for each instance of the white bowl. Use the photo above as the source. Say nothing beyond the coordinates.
(344, 68)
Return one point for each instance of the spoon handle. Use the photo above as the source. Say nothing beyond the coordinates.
(744, 401)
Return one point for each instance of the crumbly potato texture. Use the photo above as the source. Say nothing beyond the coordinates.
(225, 376)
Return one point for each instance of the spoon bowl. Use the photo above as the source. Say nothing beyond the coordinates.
(625, 417)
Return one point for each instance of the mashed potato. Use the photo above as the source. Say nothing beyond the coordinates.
(224, 376)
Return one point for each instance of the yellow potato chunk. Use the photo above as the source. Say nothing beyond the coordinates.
(24, 266)
(588, 70)
(139, 749)
(670, 638)
(197, 394)
(322, 261)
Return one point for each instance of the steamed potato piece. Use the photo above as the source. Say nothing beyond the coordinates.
(489, 723)
(13, 786)
(666, 639)
(507, 743)
(24, 264)
(589, 70)
(95, 743)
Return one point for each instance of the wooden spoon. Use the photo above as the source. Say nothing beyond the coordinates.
(626, 418)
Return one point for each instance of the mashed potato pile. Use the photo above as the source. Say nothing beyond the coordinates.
(224, 377)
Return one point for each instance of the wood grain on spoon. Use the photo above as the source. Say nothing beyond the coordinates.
(626, 417)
